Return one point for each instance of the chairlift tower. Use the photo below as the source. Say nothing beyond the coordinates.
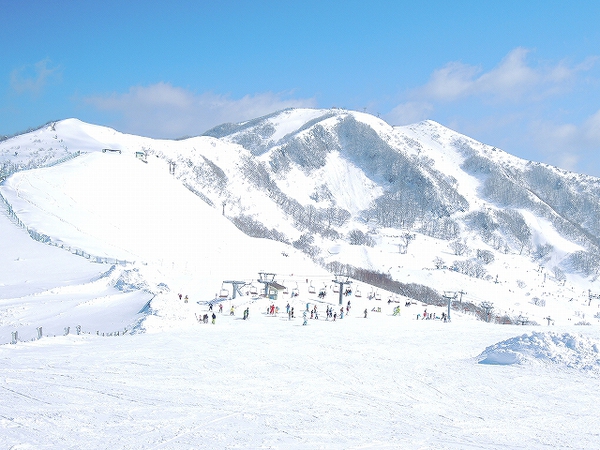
(488, 306)
(341, 280)
(266, 279)
(592, 297)
(449, 296)
(236, 287)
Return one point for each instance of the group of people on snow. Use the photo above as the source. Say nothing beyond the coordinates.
(308, 313)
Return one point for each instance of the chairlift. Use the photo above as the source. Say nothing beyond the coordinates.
(286, 291)
(295, 291)
(357, 293)
(223, 293)
(311, 289)
(377, 296)
(253, 290)
(336, 288)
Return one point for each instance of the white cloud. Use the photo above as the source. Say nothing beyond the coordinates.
(163, 110)
(512, 79)
(409, 112)
(34, 78)
(568, 144)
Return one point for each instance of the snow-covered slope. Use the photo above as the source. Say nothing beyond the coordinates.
(422, 204)
(99, 245)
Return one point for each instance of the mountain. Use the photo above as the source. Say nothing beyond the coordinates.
(419, 210)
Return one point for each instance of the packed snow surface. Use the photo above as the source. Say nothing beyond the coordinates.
(268, 382)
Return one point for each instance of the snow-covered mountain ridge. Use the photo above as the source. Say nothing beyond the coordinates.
(420, 203)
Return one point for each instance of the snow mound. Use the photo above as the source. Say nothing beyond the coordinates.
(130, 280)
(565, 349)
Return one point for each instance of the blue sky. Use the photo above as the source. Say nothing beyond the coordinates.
(521, 75)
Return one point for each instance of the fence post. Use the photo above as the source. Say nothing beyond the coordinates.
(39, 332)
(15, 337)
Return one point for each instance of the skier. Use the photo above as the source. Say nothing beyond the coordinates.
(214, 317)
(305, 320)
(232, 311)
(185, 300)
(366, 311)
(220, 308)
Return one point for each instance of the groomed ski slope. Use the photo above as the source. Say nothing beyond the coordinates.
(383, 382)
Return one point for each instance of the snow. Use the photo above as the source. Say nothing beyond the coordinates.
(291, 120)
(383, 382)
(568, 350)
(145, 374)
